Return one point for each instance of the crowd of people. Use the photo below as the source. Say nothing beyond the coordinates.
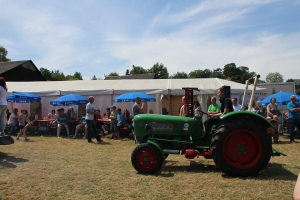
(113, 120)
(270, 112)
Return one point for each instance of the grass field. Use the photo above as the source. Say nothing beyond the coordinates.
(63, 168)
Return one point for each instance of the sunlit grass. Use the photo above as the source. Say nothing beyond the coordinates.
(52, 168)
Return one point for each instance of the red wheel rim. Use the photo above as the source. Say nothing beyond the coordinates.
(146, 159)
(242, 149)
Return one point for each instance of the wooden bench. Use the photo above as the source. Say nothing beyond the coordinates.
(33, 128)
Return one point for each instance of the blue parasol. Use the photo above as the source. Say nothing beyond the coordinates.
(23, 97)
(130, 97)
(69, 100)
(282, 98)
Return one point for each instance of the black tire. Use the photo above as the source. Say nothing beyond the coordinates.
(146, 159)
(241, 148)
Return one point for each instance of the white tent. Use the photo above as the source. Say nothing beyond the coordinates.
(105, 91)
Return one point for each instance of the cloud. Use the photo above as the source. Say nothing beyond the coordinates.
(99, 37)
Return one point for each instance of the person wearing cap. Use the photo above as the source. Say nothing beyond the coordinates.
(121, 122)
(61, 120)
(113, 121)
(293, 108)
(136, 108)
(90, 114)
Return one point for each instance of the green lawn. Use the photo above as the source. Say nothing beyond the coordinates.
(63, 168)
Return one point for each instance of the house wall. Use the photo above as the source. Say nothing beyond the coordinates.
(272, 88)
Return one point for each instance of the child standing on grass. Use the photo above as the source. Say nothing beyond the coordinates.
(22, 121)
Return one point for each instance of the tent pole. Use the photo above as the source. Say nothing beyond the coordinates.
(169, 100)
(245, 93)
(250, 105)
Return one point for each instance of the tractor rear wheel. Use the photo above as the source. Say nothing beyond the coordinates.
(146, 159)
(241, 148)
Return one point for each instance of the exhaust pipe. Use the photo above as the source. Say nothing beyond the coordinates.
(170, 151)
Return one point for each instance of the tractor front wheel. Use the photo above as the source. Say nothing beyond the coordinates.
(241, 148)
(146, 159)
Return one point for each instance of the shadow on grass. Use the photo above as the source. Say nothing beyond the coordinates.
(9, 161)
(273, 171)
(194, 167)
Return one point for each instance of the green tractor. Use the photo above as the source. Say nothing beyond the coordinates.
(240, 145)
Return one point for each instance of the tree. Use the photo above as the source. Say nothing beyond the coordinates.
(57, 76)
(290, 80)
(94, 78)
(113, 74)
(46, 73)
(200, 73)
(127, 72)
(179, 75)
(230, 71)
(137, 70)
(217, 73)
(3, 54)
(160, 70)
(274, 77)
(77, 76)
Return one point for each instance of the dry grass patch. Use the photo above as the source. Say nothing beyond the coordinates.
(52, 168)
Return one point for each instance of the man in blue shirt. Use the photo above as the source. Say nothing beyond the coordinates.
(61, 120)
(121, 122)
(90, 114)
(294, 116)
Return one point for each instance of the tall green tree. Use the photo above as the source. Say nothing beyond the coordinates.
(137, 70)
(231, 72)
(200, 73)
(77, 76)
(3, 54)
(46, 73)
(57, 76)
(274, 77)
(160, 70)
(179, 75)
(217, 73)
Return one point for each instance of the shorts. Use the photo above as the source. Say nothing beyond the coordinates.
(21, 126)
(113, 127)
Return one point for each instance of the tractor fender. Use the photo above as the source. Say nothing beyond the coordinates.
(248, 115)
(156, 145)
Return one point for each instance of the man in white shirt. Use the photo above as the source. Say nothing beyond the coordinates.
(13, 122)
(90, 114)
(235, 104)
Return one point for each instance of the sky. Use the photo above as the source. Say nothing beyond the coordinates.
(97, 37)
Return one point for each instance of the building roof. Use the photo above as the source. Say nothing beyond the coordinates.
(135, 76)
(6, 66)
(24, 70)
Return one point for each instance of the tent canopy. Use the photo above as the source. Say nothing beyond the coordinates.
(150, 86)
(105, 91)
